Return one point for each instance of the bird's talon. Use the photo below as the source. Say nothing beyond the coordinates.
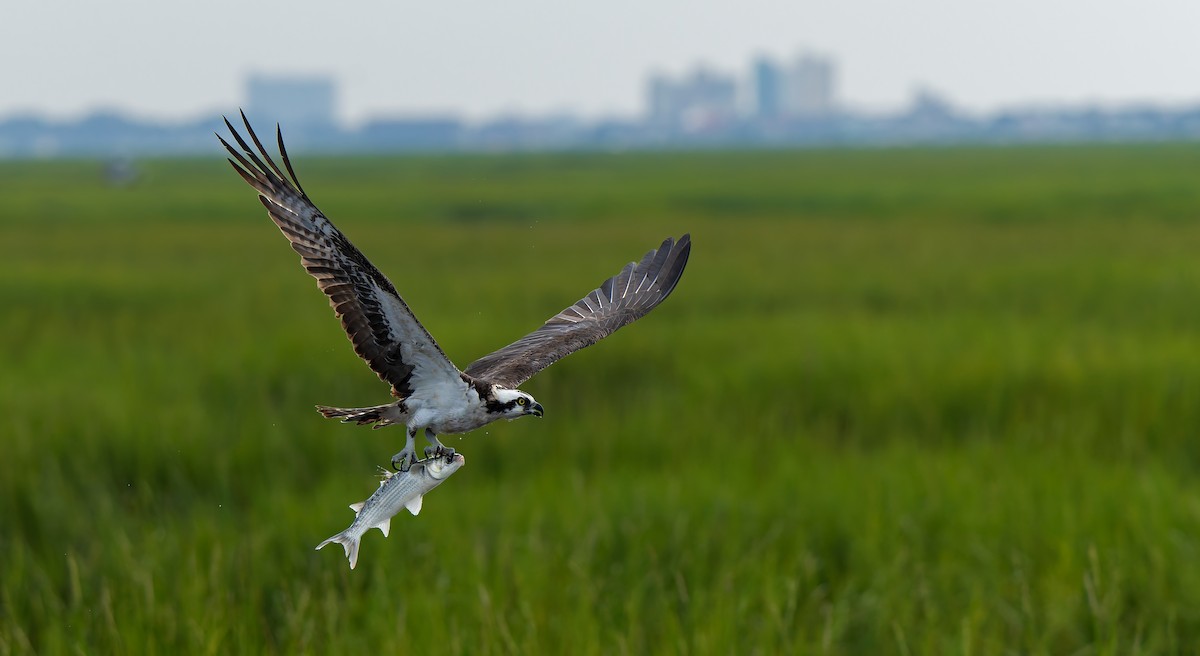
(402, 461)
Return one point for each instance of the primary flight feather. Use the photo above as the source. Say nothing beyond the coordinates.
(431, 393)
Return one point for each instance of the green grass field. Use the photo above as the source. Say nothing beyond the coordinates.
(902, 402)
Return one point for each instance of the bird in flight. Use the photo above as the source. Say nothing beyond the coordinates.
(431, 393)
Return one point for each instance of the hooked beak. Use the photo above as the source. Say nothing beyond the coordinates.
(536, 410)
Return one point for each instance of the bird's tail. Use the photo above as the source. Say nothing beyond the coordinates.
(349, 540)
(360, 416)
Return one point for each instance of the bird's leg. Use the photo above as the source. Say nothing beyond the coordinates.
(436, 448)
(403, 461)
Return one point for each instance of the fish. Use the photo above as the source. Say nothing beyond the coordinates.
(397, 490)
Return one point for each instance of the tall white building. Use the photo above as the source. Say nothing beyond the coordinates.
(806, 89)
(695, 103)
(810, 87)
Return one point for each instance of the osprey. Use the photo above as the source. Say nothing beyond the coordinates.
(431, 393)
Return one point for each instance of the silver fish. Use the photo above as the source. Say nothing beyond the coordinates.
(396, 491)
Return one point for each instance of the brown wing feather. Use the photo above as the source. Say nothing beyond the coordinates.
(618, 301)
(384, 332)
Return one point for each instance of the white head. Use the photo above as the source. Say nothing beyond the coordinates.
(511, 403)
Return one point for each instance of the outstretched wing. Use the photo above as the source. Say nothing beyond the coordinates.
(384, 332)
(620, 300)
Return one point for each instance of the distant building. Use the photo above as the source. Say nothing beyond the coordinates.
(767, 89)
(299, 102)
(809, 88)
(700, 102)
(662, 97)
(931, 106)
(804, 90)
(424, 133)
(524, 132)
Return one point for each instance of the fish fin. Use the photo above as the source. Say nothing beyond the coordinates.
(349, 542)
(357, 507)
(414, 504)
(385, 526)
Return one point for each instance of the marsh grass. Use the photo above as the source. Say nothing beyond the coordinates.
(928, 401)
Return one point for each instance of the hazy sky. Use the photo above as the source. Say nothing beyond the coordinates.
(161, 59)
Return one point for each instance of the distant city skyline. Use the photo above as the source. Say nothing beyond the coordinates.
(775, 106)
(538, 57)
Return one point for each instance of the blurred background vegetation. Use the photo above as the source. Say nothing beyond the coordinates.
(903, 401)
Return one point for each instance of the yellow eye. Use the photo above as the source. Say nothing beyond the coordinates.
(521, 401)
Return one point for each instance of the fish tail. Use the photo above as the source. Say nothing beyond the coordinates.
(349, 542)
(360, 416)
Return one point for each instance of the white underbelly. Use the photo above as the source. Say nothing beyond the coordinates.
(451, 411)
(458, 422)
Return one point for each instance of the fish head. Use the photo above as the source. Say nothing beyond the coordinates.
(442, 466)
